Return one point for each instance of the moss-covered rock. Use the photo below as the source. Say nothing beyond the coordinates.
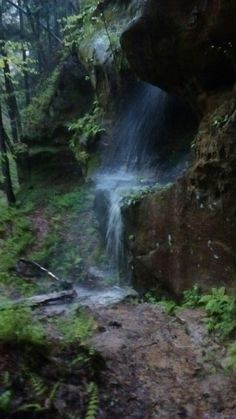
(65, 95)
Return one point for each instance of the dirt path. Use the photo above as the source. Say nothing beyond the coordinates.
(160, 366)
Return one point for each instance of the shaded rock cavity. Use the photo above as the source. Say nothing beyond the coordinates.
(185, 46)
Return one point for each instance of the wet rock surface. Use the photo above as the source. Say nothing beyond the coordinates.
(160, 366)
(185, 234)
(183, 46)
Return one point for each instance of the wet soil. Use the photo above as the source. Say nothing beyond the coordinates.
(159, 366)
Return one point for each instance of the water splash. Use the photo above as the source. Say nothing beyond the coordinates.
(115, 229)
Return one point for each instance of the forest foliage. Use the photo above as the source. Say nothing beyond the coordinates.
(32, 46)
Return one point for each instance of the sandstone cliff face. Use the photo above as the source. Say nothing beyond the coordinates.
(184, 47)
(186, 234)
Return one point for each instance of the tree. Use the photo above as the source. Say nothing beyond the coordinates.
(24, 54)
(14, 115)
(7, 183)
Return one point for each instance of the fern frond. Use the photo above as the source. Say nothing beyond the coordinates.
(93, 403)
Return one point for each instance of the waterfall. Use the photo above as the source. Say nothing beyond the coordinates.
(129, 160)
(137, 129)
(141, 153)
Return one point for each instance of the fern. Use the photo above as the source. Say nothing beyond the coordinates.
(84, 132)
(18, 325)
(93, 403)
(192, 297)
(76, 328)
(38, 385)
(221, 310)
(6, 379)
(52, 393)
(34, 407)
(231, 363)
(168, 306)
(5, 400)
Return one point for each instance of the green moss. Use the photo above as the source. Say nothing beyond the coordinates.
(136, 196)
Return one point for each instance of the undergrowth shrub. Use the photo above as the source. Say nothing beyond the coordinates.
(84, 132)
(220, 308)
(231, 362)
(169, 306)
(5, 400)
(15, 237)
(221, 311)
(76, 328)
(18, 326)
(39, 107)
(192, 297)
(82, 26)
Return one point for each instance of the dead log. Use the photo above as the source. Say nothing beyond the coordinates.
(43, 299)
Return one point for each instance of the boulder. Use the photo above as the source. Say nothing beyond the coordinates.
(179, 240)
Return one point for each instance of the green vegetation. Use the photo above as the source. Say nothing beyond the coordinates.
(17, 326)
(220, 121)
(231, 362)
(35, 113)
(192, 297)
(220, 309)
(5, 401)
(136, 196)
(16, 236)
(168, 306)
(92, 22)
(33, 349)
(82, 26)
(85, 131)
(76, 328)
(221, 318)
(93, 403)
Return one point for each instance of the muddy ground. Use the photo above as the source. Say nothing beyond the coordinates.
(160, 366)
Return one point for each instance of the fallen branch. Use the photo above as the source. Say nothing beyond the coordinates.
(41, 268)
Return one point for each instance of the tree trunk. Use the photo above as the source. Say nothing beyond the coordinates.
(35, 26)
(13, 111)
(7, 183)
(48, 28)
(40, 51)
(56, 24)
(24, 56)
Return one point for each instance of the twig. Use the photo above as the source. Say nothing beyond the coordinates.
(41, 268)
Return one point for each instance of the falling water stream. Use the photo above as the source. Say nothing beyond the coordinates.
(131, 163)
